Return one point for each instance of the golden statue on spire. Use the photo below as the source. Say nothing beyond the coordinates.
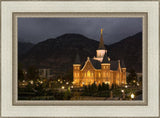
(101, 31)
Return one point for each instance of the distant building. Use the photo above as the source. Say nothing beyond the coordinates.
(46, 73)
(99, 69)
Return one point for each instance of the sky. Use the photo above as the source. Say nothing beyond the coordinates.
(35, 30)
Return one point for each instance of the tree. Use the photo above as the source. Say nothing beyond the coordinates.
(93, 88)
(67, 95)
(132, 77)
(99, 87)
(103, 86)
(32, 73)
(20, 73)
(107, 86)
(69, 76)
(140, 80)
(112, 87)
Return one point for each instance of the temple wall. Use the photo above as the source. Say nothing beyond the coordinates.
(89, 75)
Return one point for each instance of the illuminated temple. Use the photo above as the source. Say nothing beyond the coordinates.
(99, 69)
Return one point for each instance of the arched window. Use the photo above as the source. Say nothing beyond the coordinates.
(99, 74)
(88, 74)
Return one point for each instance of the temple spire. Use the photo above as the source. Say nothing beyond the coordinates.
(101, 43)
(101, 31)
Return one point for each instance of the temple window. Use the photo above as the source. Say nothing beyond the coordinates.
(99, 74)
(88, 74)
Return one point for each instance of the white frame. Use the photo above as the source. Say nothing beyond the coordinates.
(150, 7)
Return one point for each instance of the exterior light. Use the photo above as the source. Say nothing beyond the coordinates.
(62, 87)
(61, 82)
(31, 81)
(71, 86)
(106, 82)
(58, 80)
(137, 84)
(122, 90)
(132, 96)
(126, 86)
(67, 82)
(134, 81)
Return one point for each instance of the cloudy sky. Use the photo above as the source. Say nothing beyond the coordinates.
(115, 29)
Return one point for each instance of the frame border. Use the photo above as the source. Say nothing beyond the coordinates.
(80, 0)
(143, 102)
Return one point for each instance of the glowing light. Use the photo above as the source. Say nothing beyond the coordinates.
(71, 86)
(41, 82)
(132, 96)
(67, 82)
(126, 86)
(58, 80)
(62, 87)
(88, 74)
(122, 90)
(106, 82)
(61, 82)
(137, 84)
(31, 81)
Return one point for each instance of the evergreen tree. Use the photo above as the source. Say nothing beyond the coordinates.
(132, 77)
(99, 87)
(107, 86)
(67, 95)
(32, 73)
(112, 86)
(20, 73)
(103, 86)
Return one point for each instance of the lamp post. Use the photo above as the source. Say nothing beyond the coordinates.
(123, 93)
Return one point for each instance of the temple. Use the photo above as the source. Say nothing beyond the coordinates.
(99, 69)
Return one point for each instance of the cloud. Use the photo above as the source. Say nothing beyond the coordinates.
(115, 29)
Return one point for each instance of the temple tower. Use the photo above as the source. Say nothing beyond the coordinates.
(76, 71)
(105, 69)
(101, 49)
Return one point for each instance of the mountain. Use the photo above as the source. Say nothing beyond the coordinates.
(59, 53)
(128, 50)
(23, 48)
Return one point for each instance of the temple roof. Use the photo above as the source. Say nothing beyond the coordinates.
(105, 58)
(101, 43)
(114, 65)
(96, 63)
(77, 60)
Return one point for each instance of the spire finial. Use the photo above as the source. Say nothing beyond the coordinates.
(101, 43)
(101, 31)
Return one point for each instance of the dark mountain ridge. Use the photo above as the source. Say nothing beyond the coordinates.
(59, 53)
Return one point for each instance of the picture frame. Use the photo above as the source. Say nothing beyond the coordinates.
(11, 10)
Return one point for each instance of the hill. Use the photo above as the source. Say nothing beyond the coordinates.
(59, 53)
